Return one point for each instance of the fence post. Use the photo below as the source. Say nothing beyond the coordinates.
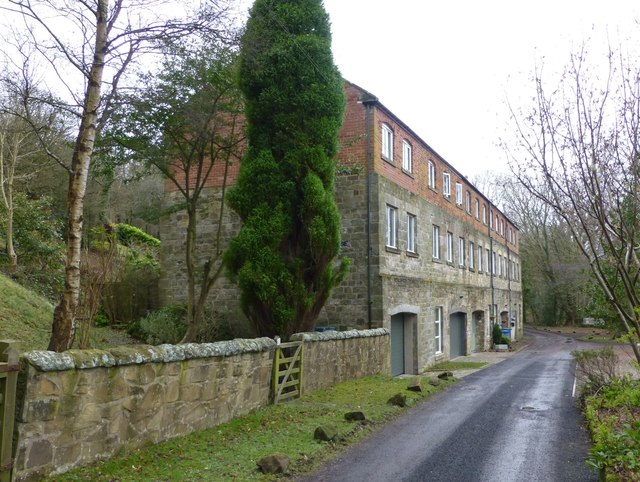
(9, 367)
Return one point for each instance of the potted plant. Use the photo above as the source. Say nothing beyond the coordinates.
(500, 342)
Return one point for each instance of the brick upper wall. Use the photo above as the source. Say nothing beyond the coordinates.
(353, 146)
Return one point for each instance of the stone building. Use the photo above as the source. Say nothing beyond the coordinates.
(433, 260)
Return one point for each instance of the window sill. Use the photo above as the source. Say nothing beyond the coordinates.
(387, 160)
(412, 254)
(391, 249)
(408, 173)
(431, 188)
(436, 260)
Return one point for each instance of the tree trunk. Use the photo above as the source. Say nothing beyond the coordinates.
(64, 314)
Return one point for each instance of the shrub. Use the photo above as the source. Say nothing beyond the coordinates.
(595, 368)
(166, 325)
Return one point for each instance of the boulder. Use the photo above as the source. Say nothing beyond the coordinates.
(398, 400)
(415, 385)
(434, 382)
(325, 433)
(354, 416)
(445, 375)
(273, 464)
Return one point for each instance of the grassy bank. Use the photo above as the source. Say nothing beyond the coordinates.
(229, 452)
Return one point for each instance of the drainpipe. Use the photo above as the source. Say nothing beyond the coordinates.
(513, 332)
(368, 104)
(491, 274)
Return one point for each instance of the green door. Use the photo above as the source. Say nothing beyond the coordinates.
(397, 345)
(457, 334)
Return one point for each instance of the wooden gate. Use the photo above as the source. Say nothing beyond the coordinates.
(287, 371)
(9, 367)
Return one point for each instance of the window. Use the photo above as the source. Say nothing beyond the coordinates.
(435, 243)
(411, 233)
(490, 221)
(458, 194)
(432, 175)
(446, 185)
(500, 273)
(407, 163)
(477, 209)
(461, 251)
(472, 252)
(468, 203)
(484, 213)
(438, 329)
(497, 225)
(387, 142)
(486, 261)
(493, 263)
(479, 259)
(450, 247)
(392, 227)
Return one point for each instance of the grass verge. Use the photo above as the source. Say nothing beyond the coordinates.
(613, 416)
(456, 365)
(229, 452)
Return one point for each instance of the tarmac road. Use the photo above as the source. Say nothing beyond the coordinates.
(513, 421)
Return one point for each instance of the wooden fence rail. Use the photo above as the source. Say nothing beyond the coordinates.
(9, 368)
(287, 371)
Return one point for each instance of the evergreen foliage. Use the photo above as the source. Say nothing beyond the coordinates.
(284, 256)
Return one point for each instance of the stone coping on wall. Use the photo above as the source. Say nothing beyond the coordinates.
(138, 354)
(339, 335)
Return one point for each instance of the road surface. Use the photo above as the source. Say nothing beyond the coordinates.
(514, 421)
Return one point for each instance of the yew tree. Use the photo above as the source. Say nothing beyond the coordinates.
(285, 257)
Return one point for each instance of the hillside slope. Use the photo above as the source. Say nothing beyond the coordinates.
(24, 316)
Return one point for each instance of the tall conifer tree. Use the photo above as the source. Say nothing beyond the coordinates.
(284, 257)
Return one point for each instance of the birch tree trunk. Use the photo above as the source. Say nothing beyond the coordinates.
(64, 313)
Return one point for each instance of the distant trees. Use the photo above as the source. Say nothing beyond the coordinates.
(555, 275)
(89, 46)
(579, 152)
(284, 258)
(187, 124)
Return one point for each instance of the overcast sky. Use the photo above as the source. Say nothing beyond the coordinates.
(446, 68)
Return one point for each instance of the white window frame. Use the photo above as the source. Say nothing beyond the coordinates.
(411, 233)
(446, 185)
(407, 161)
(472, 252)
(438, 329)
(432, 175)
(484, 214)
(449, 247)
(487, 265)
(468, 203)
(435, 242)
(392, 226)
(458, 194)
(477, 209)
(387, 142)
(461, 251)
(479, 259)
(493, 263)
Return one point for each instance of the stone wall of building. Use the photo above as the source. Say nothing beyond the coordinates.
(80, 406)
